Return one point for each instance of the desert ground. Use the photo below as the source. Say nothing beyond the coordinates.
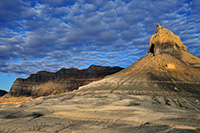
(104, 112)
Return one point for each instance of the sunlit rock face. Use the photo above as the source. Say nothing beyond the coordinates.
(165, 41)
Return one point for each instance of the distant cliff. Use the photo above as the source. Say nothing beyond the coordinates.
(2, 92)
(46, 83)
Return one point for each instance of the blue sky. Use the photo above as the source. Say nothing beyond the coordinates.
(52, 34)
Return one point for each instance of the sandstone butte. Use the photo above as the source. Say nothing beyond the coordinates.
(47, 83)
(158, 93)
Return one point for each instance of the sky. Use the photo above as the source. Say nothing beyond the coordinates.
(38, 35)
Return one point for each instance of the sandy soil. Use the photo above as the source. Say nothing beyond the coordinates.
(102, 113)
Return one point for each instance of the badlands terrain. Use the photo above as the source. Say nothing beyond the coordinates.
(159, 93)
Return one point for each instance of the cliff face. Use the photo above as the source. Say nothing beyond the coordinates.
(2, 92)
(45, 83)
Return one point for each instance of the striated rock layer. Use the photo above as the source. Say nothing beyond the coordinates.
(46, 83)
(167, 69)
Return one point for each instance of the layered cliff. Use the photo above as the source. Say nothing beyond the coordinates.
(45, 83)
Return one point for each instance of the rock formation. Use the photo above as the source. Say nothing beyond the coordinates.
(167, 69)
(160, 94)
(45, 83)
(165, 41)
(2, 92)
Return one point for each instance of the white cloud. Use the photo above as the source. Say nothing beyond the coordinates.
(54, 34)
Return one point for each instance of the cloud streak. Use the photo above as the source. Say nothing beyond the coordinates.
(49, 35)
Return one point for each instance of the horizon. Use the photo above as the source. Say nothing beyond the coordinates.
(50, 35)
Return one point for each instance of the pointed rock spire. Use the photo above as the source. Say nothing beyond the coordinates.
(165, 41)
